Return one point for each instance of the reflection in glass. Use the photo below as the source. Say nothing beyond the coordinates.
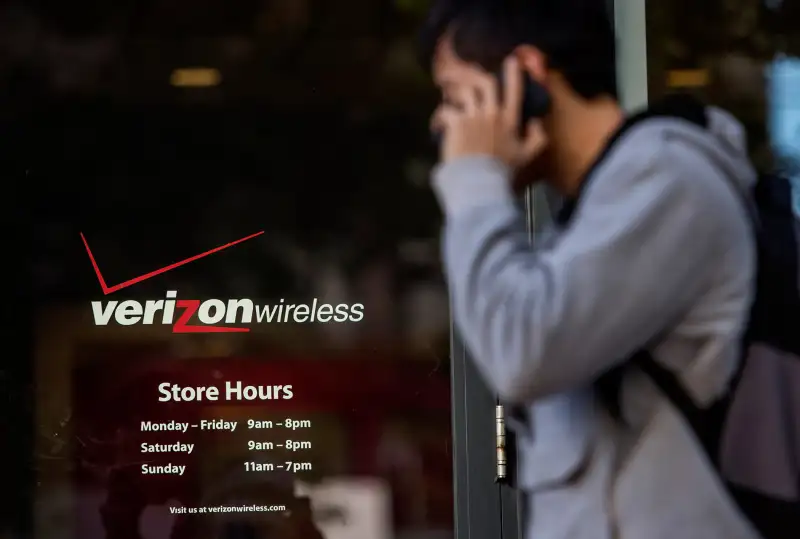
(742, 55)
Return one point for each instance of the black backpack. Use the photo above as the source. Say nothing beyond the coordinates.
(752, 435)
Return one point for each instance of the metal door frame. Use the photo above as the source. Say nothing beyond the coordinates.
(476, 496)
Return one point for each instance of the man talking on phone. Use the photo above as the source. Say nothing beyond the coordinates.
(651, 250)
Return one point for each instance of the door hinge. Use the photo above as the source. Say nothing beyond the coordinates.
(501, 473)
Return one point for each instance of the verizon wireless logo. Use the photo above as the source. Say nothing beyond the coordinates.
(181, 313)
(211, 315)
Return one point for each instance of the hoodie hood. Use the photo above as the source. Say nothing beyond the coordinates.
(710, 130)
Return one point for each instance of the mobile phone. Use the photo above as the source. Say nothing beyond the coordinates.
(535, 99)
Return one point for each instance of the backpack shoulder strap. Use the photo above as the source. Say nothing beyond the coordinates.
(706, 423)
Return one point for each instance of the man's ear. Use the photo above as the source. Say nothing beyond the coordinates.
(533, 61)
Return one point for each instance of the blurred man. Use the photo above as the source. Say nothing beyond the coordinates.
(652, 251)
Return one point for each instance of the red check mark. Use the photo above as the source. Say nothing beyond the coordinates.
(111, 289)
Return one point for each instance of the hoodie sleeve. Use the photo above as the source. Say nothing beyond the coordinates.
(633, 260)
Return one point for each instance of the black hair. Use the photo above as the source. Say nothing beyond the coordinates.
(576, 36)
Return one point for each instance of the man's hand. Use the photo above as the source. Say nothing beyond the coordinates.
(481, 122)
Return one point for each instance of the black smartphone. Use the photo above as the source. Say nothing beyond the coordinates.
(535, 99)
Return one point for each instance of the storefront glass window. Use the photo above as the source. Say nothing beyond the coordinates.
(743, 55)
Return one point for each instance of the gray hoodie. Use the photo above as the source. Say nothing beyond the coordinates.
(657, 255)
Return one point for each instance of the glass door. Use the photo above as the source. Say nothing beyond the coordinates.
(238, 325)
